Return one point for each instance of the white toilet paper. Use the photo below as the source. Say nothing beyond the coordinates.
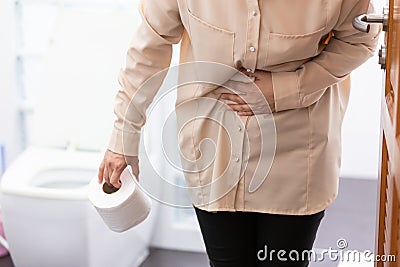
(121, 209)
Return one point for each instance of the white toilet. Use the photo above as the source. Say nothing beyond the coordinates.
(48, 219)
(50, 223)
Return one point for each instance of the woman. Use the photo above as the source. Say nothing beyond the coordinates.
(299, 55)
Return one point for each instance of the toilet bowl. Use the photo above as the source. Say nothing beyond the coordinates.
(49, 221)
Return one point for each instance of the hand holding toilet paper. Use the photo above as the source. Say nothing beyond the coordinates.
(123, 208)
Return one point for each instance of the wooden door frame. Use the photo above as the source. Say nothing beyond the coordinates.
(388, 187)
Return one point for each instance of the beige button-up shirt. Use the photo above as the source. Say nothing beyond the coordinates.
(285, 162)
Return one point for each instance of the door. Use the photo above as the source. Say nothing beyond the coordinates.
(388, 225)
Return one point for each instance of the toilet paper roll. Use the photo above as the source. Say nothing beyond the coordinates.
(123, 208)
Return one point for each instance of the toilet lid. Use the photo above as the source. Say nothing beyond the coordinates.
(74, 104)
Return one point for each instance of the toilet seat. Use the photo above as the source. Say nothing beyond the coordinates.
(67, 178)
(45, 173)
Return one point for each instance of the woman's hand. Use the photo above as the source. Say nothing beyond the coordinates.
(112, 166)
(250, 100)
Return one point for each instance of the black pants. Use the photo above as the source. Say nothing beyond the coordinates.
(250, 239)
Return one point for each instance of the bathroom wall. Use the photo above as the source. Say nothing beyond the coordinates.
(9, 130)
(361, 127)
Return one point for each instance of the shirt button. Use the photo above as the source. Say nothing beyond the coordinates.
(254, 13)
(239, 129)
(249, 70)
(236, 159)
(252, 49)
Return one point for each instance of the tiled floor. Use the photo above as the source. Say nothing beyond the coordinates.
(171, 258)
(351, 216)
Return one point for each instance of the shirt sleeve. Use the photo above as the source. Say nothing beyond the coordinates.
(149, 53)
(346, 51)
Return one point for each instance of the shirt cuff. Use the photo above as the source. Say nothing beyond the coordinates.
(124, 143)
(286, 90)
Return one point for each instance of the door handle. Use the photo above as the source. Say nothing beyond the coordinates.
(362, 22)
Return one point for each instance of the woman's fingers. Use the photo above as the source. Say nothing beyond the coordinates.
(245, 113)
(112, 166)
(232, 97)
(100, 174)
(106, 174)
(247, 110)
(240, 107)
(114, 179)
(249, 98)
